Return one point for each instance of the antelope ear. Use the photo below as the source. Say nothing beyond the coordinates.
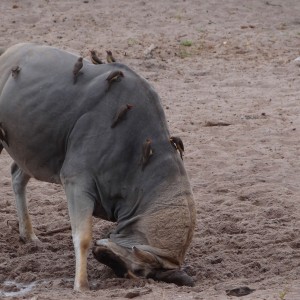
(145, 257)
(178, 277)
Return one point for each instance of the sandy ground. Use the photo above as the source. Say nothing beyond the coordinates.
(238, 70)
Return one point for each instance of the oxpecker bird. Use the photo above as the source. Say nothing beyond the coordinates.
(109, 57)
(15, 71)
(114, 76)
(177, 144)
(121, 114)
(147, 152)
(94, 58)
(77, 67)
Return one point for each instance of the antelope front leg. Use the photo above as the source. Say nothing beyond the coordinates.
(81, 208)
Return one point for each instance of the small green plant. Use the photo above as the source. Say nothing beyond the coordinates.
(131, 42)
(282, 295)
(186, 43)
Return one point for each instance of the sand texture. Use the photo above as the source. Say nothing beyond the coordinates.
(229, 85)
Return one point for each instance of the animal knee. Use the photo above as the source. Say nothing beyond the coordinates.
(17, 185)
(82, 241)
(85, 242)
(19, 179)
(14, 168)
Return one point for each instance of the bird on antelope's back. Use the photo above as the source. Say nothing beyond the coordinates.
(94, 58)
(110, 59)
(77, 67)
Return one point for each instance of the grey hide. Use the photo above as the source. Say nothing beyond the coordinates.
(60, 132)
